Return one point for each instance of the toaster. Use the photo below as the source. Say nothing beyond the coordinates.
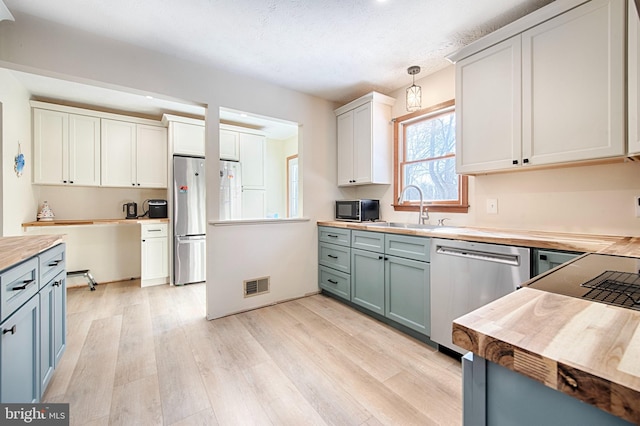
(157, 209)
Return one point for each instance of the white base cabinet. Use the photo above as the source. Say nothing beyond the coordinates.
(154, 254)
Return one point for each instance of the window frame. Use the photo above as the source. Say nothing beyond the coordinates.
(461, 205)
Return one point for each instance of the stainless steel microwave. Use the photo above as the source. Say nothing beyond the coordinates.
(358, 210)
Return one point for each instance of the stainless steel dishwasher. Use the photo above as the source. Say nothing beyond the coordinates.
(466, 276)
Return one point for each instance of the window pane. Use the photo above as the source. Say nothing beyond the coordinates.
(431, 138)
(437, 179)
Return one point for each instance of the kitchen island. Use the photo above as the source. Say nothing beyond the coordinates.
(32, 314)
(581, 348)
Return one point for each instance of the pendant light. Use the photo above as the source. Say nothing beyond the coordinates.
(414, 93)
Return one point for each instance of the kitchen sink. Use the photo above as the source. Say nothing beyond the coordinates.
(405, 225)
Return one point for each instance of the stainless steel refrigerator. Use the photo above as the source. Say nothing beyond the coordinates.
(189, 220)
(230, 190)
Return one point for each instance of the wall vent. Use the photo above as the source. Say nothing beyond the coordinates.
(257, 286)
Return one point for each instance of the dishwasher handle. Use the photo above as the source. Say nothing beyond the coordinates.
(506, 259)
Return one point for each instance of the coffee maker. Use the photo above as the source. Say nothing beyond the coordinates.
(131, 209)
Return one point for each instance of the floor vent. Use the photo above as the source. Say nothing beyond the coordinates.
(256, 286)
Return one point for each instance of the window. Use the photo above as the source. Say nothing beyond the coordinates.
(425, 156)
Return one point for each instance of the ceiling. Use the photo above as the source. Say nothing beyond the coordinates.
(334, 49)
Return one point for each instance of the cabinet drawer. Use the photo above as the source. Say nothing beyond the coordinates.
(17, 285)
(366, 240)
(334, 235)
(336, 257)
(416, 248)
(335, 282)
(155, 230)
(51, 263)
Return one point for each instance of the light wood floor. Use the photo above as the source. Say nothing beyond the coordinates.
(149, 357)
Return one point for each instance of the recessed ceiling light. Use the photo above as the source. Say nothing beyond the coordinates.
(149, 97)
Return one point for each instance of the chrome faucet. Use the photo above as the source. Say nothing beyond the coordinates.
(423, 213)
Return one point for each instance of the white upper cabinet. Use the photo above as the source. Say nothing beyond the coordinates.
(552, 93)
(151, 156)
(187, 135)
(634, 80)
(253, 152)
(492, 141)
(133, 155)
(66, 148)
(364, 134)
(573, 73)
(229, 145)
(118, 153)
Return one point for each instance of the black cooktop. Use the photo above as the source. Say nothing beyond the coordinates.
(614, 280)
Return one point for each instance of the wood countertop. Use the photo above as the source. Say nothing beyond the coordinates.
(550, 240)
(14, 250)
(78, 222)
(585, 349)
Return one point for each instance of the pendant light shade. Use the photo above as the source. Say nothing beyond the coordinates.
(414, 93)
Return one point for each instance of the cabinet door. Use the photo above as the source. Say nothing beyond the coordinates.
(155, 259)
(573, 85)
(254, 203)
(345, 148)
(151, 156)
(362, 144)
(47, 321)
(252, 159)
(229, 145)
(634, 79)
(50, 148)
(118, 153)
(188, 139)
(84, 150)
(20, 355)
(408, 293)
(488, 109)
(367, 280)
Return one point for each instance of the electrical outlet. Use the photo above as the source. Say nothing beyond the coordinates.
(492, 205)
(636, 200)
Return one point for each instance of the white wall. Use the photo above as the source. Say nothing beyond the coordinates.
(33, 44)
(587, 199)
(18, 197)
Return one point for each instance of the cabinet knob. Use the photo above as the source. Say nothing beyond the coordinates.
(64, 181)
(11, 330)
(56, 283)
(515, 161)
(526, 160)
(70, 181)
(133, 184)
(144, 241)
(380, 257)
(138, 184)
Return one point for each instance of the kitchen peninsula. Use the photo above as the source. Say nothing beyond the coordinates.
(530, 344)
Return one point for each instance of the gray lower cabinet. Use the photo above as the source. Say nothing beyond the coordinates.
(494, 395)
(390, 276)
(368, 280)
(33, 325)
(334, 259)
(545, 260)
(408, 293)
(20, 354)
(53, 326)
